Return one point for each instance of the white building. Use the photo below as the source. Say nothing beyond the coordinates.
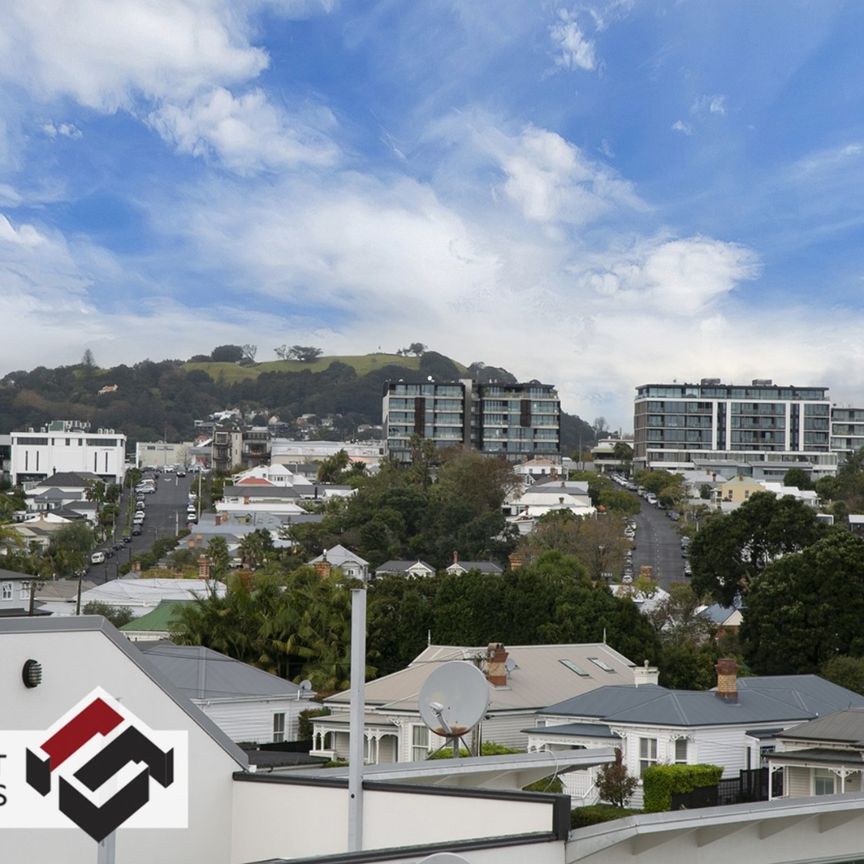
(159, 454)
(67, 446)
(140, 596)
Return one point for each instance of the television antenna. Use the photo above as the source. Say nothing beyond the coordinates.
(453, 700)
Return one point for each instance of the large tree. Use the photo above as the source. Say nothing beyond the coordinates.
(807, 608)
(730, 551)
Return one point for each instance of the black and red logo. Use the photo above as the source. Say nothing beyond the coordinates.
(117, 743)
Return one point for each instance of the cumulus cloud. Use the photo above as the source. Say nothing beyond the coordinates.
(174, 65)
(709, 105)
(682, 127)
(572, 49)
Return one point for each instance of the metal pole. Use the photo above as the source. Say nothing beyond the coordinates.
(106, 849)
(358, 696)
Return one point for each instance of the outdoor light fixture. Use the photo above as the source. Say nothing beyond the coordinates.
(31, 674)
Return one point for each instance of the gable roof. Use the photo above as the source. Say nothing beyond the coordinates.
(158, 620)
(767, 699)
(9, 575)
(395, 566)
(202, 673)
(338, 555)
(480, 566)
(537, 672)
(842, 726)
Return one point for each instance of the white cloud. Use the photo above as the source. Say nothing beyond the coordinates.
(572, 49)
(174, 64)
(681, 126)
(709, 105)
(66, 130)
(247, 133)
(23, 236)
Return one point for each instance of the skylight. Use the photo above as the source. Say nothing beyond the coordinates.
(603, 665)
(574, 668)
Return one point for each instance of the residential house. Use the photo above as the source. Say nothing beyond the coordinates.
(731, 726)
(459, 567)
(538, 468)
(247, 704)
(521, 679)
(738, 489)
(727, 619)
(156, 624)
(536, 500)
(255, 498)
(143, 595)
(60, 596)
(417, 569)
(822, 757)
(14, 593)
(351, 564)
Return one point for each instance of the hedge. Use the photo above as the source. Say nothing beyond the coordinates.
(660, 781)
(593, 814)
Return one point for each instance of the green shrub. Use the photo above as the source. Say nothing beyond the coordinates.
(304, 722)
(488, 748)
(552, 783)
(596, 813)
(660, 781)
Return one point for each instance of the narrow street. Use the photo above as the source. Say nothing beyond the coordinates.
(658, 544)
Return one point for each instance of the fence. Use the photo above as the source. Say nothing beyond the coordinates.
(747, 786)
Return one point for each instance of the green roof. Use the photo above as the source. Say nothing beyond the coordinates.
(159, 619)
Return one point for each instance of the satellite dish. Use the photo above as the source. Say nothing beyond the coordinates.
(454, 698)
(305, 685)
(444, 858)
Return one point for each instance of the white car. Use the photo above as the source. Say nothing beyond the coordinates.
(97, 558)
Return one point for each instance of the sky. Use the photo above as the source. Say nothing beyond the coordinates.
(597, 195)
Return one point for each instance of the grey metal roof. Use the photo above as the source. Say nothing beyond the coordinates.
(576, 730)
(480, 566)
(760, 700)
(93, 623)
(9, 575)
(201, 673)
(819, 754)
(401, 566)
(717, 613)
(70, 478)
(842, 726)
(338, 555)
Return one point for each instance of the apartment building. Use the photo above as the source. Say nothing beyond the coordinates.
(847, 430)
(67, 446)
(515, 421)
(761, 429)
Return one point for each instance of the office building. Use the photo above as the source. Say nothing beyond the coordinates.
(67, 446)
(761, 429)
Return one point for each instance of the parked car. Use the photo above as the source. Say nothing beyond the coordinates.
(97, 558)
(136, 530)
(127, 538)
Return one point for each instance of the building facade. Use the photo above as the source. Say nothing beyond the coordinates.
(847, 430)
(761, 429)
(67, 445)
(514, 421)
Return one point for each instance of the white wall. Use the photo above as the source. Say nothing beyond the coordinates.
(253, 720)
(74, 663)
(55, 456)
(313, 820)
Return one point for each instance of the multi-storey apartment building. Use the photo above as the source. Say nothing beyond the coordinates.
(761, 429)
(67, 445)
(847, 430)
(515, 421)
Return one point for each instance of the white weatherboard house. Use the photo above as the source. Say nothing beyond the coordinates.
(522, 680)
(236, 815)
(247, 704)
(732, 726)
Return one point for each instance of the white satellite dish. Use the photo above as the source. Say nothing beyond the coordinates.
(454, 698)
(444, 858)
(305, 685)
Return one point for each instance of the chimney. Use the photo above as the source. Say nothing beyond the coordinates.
(516, 560)
(645, 675)
(323, 567)
(221, 518)
(136, 566)
(455, 557)
(496, 671)
(727, 679)
(203, 567)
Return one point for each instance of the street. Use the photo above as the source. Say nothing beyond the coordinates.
(658, 543)
(166, 512)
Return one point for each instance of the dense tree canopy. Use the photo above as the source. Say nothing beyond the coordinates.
(806, 608)
(730, 551)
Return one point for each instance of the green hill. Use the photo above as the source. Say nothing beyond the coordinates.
(151, 400)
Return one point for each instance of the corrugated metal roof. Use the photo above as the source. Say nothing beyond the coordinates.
(846, 726)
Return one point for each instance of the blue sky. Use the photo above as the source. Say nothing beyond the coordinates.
(595, 194)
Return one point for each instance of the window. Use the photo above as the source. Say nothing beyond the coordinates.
(603, 665)
(6, 591)
(647, 754)
(278, 728)
(24, 591)
(574, 668)
(419, 743)
(681, 751)
(823, 782)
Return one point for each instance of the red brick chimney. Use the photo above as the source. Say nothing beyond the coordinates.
(323, 567)
(727, 679)
(455, 557)
(203, 567)
(496, 670)
(517, 559)
(136, 566)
